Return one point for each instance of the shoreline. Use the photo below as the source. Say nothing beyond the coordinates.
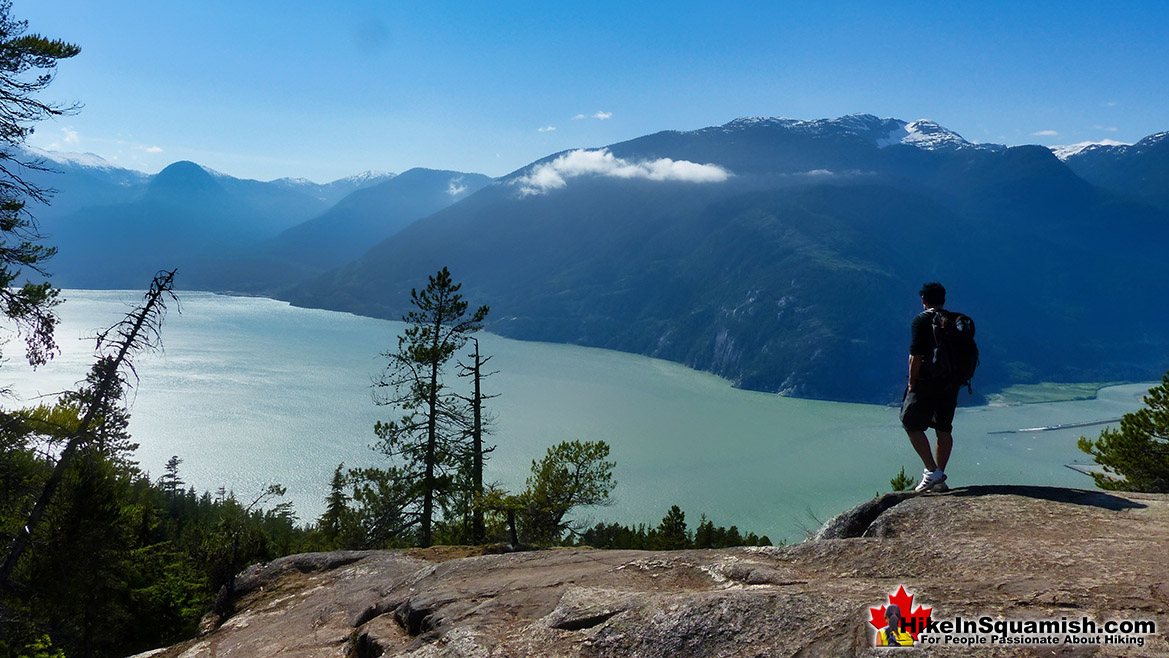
(1014, 395)
(253, 381)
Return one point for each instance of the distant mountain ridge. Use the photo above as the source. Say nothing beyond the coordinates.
(921, 133)
(1139, 171)
(338, 235)
(114, 227)
(336, 190)
(782, 254)
(796, 270)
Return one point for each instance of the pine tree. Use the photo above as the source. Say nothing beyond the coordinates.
(170, 481)
(332, 521)
(672, 533)
(573, 474)
(27, 63)
(428, 437)
(901, 481)
(103, 421)
(1136, 456)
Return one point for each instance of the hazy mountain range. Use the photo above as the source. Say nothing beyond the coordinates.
(115, 227)
(784, 255)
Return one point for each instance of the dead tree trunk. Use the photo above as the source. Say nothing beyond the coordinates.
(139, 331)
(475, 371)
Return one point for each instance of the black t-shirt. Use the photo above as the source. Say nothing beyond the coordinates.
(921, 342)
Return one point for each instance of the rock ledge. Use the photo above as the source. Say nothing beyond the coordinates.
(1008, 552)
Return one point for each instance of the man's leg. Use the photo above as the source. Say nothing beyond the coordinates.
(921, 443)
(945, 445)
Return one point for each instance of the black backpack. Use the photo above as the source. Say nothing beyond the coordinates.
(955, 353)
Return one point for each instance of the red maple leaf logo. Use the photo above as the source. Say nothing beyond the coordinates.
(912, 621)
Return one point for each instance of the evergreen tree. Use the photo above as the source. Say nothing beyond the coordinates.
(672, 533)
(1136, 456)
(572, 474)
(385, 508)
(428, 437)
(170, 481)
(704, 535)
(27, 63)
(102, 425)
(901, 481)
(332, 522)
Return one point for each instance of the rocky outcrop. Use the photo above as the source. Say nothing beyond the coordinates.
(1007, 552)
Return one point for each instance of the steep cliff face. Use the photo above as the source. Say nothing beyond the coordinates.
(1015, 553)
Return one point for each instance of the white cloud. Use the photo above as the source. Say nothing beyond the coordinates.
(546, 129)
(1045, 133)
(456, 187)
(602, 115)
(1110, 129)
(578, 117)
(153, 149)
(1111, 103)
(554, 175)
(71, 136)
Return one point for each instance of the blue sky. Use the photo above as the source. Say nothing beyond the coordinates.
(263, 89)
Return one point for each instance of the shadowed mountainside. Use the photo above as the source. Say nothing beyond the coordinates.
(797, 273)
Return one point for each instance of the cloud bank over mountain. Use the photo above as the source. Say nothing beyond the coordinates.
(554, 175)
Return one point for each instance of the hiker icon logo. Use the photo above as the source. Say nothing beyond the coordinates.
(898, 624)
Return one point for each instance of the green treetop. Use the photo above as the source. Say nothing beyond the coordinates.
(1136, 456)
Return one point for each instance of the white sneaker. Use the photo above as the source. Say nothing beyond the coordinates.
(929, 480)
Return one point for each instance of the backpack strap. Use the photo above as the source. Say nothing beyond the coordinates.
(937, 323)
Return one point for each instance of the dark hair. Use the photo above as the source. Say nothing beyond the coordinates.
(933, 294)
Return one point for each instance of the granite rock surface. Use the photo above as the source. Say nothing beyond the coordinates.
(1013, 553)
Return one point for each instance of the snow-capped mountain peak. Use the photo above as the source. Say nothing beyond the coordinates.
(1152, 140)
(883, 132)
(74, 159)
(289, 181)
(1069, 150)
(365, 177)
(930, 135)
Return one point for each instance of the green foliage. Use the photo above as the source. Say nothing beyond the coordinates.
(114, 548)
(427, 444)
(385, 509)
(170, 481)
(670, 534)
(1136, 456)
(27, 62)
(572, 474)
(901, 481)
(38, 647)
(100, 421)
(337, 517)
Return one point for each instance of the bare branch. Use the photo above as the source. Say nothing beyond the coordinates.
(138, 332)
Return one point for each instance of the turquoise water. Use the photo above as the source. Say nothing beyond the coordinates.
(251, 391)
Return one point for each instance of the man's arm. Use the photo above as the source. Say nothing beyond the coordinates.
(920, 344)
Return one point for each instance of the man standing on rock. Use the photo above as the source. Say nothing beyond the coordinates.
(929, 400)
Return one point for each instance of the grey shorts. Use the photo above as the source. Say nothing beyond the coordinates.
(925, 407)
